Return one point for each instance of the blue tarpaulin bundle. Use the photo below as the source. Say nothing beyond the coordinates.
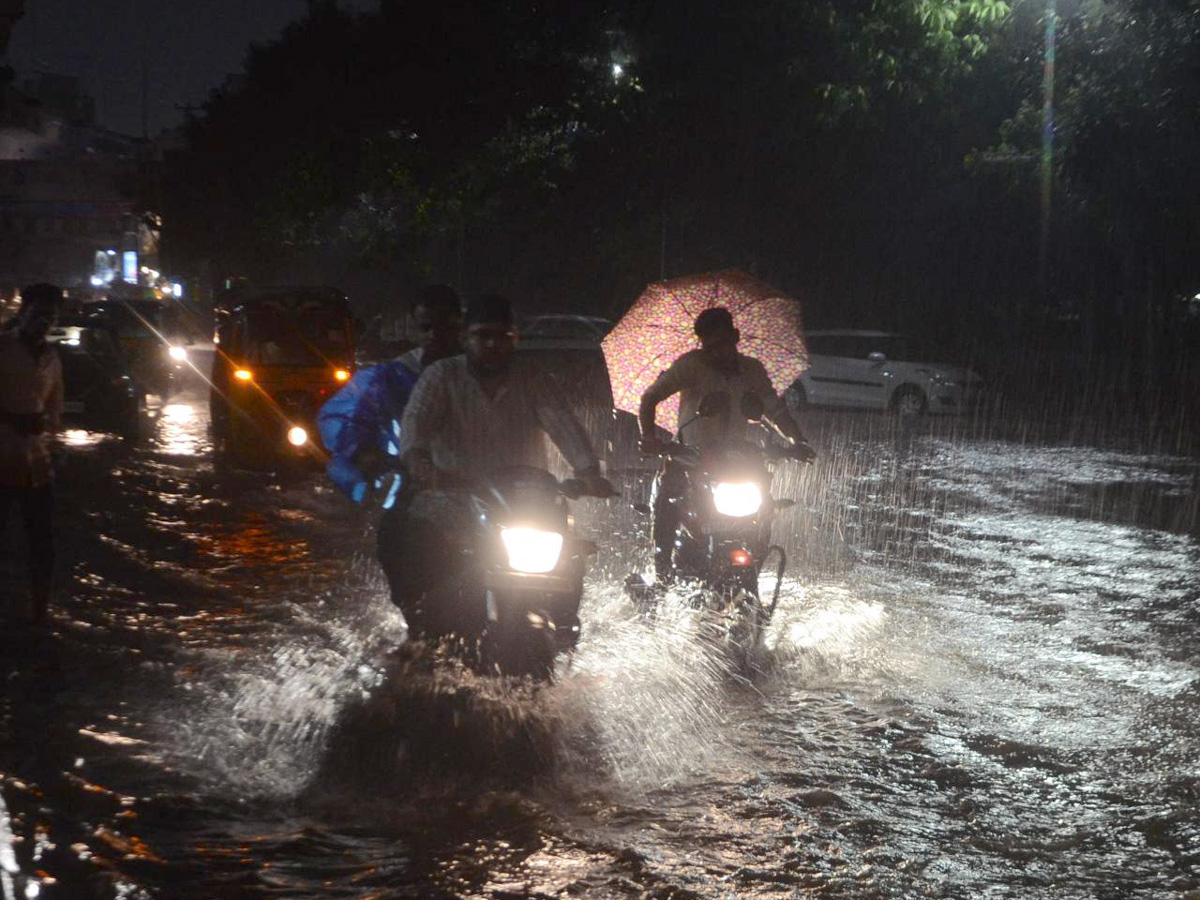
(366, 414)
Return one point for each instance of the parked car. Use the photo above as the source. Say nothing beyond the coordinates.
(565, 331)
(881, 370)
(153, 337)
(100, 391)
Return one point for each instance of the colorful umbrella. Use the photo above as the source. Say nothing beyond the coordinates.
(658, 329)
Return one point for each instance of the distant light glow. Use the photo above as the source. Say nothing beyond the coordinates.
(78, 437)
(297, 436)
(129, 266)
(341, 375)
(177, 289)
(243, 374)
(96, 281)
(618, 70)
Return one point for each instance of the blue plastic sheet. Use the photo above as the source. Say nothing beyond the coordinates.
(366, 413)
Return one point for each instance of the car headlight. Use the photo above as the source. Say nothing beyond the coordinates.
(737, 498)
(179, 354)
(531, 549)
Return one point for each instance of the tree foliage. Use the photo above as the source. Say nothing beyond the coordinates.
(884, 152)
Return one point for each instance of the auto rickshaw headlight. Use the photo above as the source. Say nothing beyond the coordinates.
(341, 374)
(243, 374)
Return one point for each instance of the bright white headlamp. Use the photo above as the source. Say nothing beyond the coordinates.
(532, 550)
(737, 499)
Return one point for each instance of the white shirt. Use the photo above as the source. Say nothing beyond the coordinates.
(694, 378)
(28, 386)
(464, 430)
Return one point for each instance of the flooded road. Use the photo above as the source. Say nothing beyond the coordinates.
(982, 681)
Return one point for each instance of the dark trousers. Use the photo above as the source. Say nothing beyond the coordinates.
(670, 488)
(429, 576)
(36, 506)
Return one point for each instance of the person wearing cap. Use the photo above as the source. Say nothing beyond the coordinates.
(715, 367)
(360, 424)
(31, 404)
(468, 415)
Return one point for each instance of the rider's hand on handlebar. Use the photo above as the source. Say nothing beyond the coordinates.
(803, 451)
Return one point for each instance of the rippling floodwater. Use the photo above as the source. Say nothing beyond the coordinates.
(981, 682)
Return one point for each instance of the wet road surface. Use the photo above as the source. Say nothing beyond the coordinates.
(982, 682)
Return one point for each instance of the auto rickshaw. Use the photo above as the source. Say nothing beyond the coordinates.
(281, 352)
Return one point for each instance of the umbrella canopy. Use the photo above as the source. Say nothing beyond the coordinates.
(658, 329)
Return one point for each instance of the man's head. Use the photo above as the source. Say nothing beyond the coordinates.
(491, 334)
(437, 311)
(718, 337)
(39, 311)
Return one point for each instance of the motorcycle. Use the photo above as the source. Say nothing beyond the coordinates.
(513, 606)
(723, 544)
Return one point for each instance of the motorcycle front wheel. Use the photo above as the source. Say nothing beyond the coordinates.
(521, 648)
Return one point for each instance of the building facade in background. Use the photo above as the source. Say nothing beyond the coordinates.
(76, 200)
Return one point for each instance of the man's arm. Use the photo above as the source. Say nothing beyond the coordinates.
(423, 415)
(776, 412)
(560, 422)
(667, 383)
(54, 401)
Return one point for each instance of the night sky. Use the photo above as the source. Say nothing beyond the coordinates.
(189, 47)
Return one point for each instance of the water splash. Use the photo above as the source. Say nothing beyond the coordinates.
(262, 719)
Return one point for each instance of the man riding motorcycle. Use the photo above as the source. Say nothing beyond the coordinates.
(470, 415)
(716, 367)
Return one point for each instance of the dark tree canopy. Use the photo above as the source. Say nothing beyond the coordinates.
(883, 154)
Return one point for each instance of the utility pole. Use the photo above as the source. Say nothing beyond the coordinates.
(1047, 148)
(145, 97)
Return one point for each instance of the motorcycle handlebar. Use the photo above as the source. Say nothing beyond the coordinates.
(800, 452)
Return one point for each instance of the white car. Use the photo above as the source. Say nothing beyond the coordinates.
(880, 370)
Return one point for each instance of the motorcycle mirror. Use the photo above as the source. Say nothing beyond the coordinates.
(715, 404)
(752, 406)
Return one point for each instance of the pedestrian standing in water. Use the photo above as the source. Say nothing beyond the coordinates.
(31, 403)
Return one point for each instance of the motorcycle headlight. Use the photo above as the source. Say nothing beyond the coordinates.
(532, 550)
(732, 498)
(179, 354)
